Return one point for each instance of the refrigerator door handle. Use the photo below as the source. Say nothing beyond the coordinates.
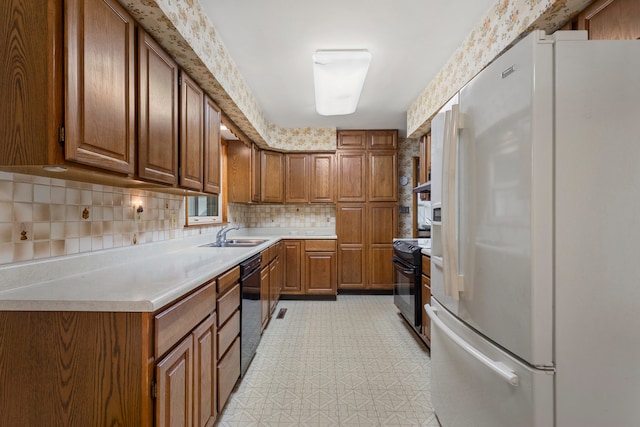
(454, 282)
(498, 367)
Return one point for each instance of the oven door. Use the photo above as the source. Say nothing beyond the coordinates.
(405, 292)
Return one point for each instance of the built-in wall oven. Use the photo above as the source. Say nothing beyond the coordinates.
(407, 295)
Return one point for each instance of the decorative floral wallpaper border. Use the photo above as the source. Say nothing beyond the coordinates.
(505, 23)
(187, 34)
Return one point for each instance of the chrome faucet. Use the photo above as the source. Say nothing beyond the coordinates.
(221, 235)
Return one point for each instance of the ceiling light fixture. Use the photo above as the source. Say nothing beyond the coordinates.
(339, 76)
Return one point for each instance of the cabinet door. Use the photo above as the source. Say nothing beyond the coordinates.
(426, 320)
(380, 243)
(212, 146)
(239, 160)
(383, 176)
(292, 267)
(100, 85)
(296, 187)
(256, 176)
(352, 139)
(205, 400)
(382, 139)
(320, 273)
(174, 376)
(191, 134)
(157, 112)
(350, 228)
(611, 20)
(274, 284)
(32, 106)
(322, 178)
(264, 295)
(351, 176)
(272, 177)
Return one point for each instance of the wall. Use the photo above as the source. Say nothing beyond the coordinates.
(43, 217)
(283, 216)
(407, 150)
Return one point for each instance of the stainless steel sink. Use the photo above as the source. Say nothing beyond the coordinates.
(236, 243)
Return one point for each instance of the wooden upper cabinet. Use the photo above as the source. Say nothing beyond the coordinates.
(611, 20)
(238, 172)
(212, 147)
(32, 107)
(352, 167)
(157, 112)
(322, 178)
(256, 176)
(382, 139)
(383, 176)
(296, 187)
(352, 139)
(191, 134)
(272, 177)
(100, 85)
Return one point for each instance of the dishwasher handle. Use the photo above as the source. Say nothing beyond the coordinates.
(498, 367)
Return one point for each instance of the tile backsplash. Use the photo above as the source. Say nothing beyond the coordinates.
(47, 217)
(283, 216)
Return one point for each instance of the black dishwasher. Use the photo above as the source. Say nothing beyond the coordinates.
(250, 321)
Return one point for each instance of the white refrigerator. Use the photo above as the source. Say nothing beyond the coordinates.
(536, 260)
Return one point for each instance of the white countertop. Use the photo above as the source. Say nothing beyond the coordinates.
(132, 279)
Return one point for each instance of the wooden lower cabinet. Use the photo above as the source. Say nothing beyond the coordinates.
(350, 223)
(205, 367)
(320, 273)
(365, 245)
(292, 266)
(265, 313)
(186, 380)
(76, 368)
(228, 336)
(310, 267)
(174, 375)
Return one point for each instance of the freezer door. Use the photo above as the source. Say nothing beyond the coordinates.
(503, 192)
(467, 391)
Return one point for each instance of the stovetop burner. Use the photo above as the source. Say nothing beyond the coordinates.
(408, 251)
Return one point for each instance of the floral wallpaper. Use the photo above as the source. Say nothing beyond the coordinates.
(302, 139)
(407, 150)
(503, 25)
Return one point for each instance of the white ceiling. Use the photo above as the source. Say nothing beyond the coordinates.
(272, 41)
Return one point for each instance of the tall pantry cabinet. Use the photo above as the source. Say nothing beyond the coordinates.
(367, 208)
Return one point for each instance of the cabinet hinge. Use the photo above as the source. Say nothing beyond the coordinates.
(179, 172)
(61, 136)
(154, 389)
(179, 80)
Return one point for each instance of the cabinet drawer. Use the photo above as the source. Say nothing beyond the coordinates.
(179, 319)
(228, 333)
(227, 304)
(426, 265)
(320, 245)
(228, 279)
(228, 373)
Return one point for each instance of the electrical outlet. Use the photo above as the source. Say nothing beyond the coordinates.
(173, 219)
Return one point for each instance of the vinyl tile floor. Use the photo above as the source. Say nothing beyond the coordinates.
(350, 362)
